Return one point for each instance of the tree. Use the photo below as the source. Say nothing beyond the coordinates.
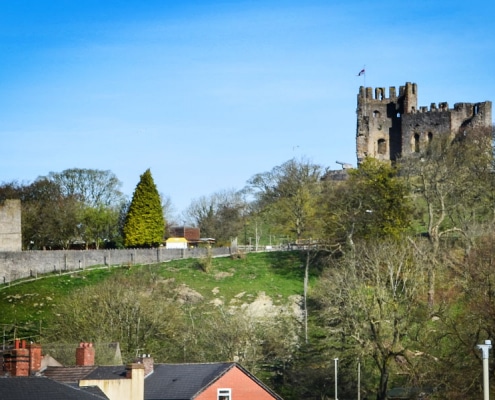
(99, 225)
(451, 177)
(144, 224)
(452, 184)
(236, 334)
(372, 302)
(93, 187)
(291, 192)
(372, 203)
(220, 215)
(136, 310)
(468, 320)
(50, 219)
(73, 205)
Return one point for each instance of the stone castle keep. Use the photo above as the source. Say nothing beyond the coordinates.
(393, 126)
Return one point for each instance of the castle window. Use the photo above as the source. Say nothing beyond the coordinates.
(382, 146)
(430, 137)
(376, 114)
(416, 142)
(476, 109)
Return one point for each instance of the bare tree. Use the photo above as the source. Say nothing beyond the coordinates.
(220, 215)
(290, 191)
(91, 186)
(138, 311)
(371, 298)
(449, 181)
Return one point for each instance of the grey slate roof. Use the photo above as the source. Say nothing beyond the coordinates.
(182, 381)
(29, 388)
(107, 372)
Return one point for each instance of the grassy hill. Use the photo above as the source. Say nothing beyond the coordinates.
(28, 307)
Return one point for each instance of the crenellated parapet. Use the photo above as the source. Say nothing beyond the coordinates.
(391, 125)
(380, 94)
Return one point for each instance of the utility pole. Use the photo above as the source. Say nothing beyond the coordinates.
(359, 379)
(336, 360)
(485, 348)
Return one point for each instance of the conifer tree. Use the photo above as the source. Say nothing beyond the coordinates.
(144, 224)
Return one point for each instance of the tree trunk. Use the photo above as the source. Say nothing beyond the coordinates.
(382, 389)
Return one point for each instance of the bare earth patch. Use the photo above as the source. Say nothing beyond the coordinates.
(221, 275)
(186, 295)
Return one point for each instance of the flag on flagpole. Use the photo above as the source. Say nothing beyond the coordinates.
(362, 72)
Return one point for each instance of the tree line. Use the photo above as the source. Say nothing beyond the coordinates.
(79, 208)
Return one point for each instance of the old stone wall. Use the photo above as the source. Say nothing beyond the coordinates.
(393, 126)
(10, 226)
(23, 264)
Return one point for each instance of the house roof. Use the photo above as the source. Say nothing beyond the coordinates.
(28, 388)
(182, 381)
(106, 373)
(68, 374)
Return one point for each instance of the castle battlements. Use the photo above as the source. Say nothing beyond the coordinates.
(392, 126)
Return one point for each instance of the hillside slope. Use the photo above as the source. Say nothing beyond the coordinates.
(272, 277)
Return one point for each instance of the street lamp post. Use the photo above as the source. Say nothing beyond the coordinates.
(485, 348)
(359, 379)
(336, 364)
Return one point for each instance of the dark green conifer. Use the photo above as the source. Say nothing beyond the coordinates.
(144, 224)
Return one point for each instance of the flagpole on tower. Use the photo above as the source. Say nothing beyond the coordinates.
(363, 73)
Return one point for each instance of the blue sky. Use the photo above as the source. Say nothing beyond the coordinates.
(208, 93)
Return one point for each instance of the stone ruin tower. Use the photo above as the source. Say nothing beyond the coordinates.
(10, 226)
(393, 126)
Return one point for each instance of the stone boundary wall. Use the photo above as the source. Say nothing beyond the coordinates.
(24, 264)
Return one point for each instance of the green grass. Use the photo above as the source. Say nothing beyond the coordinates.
(278, 274)
(27, 303)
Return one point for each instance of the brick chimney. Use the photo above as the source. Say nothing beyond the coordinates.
(16, 363)
(132, 369)
(34, 358)
(148, 363)
(85, 354)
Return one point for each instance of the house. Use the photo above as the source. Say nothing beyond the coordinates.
(141, 380)
(176, 243)
(191, 235)
(206, 381)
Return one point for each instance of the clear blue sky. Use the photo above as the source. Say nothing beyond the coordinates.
(208, 93)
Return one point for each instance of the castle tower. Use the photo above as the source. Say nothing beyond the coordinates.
(379, 121)
(393, 126)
